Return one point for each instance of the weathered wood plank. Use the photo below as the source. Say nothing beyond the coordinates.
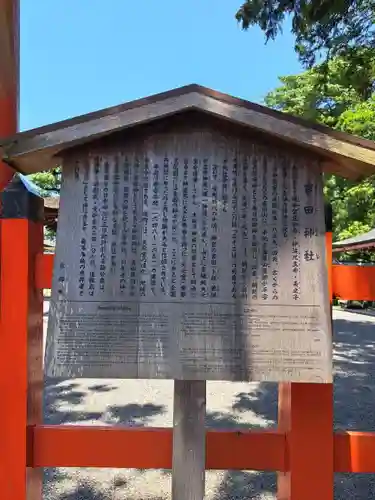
(40, 147)
(189, 440)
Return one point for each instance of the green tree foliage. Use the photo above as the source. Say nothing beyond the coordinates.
(338, 104)
(359, 120)
(322, 29)
(48, 182)
(314, 97)
(356, 208)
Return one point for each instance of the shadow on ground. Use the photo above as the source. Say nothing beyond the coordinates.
(59, 393)
(354, 404)
(354, 393)
(354, 383)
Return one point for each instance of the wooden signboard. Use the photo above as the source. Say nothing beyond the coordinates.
(190, 256)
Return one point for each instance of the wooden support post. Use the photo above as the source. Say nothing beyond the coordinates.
(9, 76)
(21, 373)
(189, 440)
(306, 416)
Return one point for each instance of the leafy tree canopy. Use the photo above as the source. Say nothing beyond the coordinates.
(316, 98)
(339, 105)
(48, 182)
(323, 30)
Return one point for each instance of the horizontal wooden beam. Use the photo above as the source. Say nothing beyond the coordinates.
(353, 282)
(149, 448)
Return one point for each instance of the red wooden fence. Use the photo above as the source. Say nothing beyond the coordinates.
(304, 449)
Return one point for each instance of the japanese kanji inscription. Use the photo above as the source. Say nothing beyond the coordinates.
(195, 256)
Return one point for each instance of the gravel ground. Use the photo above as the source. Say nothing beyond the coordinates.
(229, 405)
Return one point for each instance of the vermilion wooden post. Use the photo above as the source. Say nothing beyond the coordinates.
(21, 369)
(306, 416)
(9, 76)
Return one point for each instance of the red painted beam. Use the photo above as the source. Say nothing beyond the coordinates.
(149, 448)
(353, 282)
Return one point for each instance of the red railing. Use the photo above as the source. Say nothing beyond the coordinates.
(304, 449)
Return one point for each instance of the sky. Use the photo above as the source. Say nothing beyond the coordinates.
(79, 56)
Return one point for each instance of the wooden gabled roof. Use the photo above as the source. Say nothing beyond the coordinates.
(39, 149)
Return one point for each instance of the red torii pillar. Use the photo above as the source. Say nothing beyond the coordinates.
(9, 76)
(17, 482)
